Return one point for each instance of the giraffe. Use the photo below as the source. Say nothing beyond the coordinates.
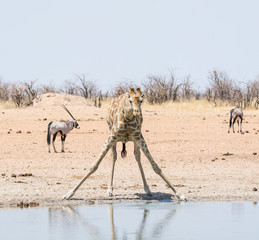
(125, 120)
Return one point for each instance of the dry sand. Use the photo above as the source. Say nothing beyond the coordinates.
(192, 148)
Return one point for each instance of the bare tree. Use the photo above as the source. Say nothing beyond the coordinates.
(221, 86)
(31, 91)
(4, 90)
(173, 86)
(100, 99)
(17, 94)
(70, 87)
(186, 87)
(47, 89)
(87, 88)
(123, 87)
(159, 89)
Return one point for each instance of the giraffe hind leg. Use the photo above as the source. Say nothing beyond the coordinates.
(142, 144)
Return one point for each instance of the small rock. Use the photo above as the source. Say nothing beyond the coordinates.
(44, 119)
(26, 205)
(227, 154)
(246, 131)
(254, 153)
(147, 130)
(28, 132)
(20, 204)
(34, 204)
(254, 189)
(19, 131)
(13, 175)
(8, 132)
(223, 158)
(3, 174)
(104, 187)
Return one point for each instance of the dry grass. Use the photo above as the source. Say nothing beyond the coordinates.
(191, 105)
(6, 105)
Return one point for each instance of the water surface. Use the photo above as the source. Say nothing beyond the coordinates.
(139, 220)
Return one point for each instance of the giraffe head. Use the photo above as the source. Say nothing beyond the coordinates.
(135, 100)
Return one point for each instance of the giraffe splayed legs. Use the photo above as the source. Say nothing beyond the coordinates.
(125, 121)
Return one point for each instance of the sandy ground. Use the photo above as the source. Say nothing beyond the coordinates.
(192, 148)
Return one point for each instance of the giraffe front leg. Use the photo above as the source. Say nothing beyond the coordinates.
(142, 144)
(108, 144)
(114, 158)
(138, 159)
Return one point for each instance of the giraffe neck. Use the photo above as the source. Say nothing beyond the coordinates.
(127, 110)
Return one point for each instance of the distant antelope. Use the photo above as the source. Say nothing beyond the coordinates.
(236, 114)
(62, 127)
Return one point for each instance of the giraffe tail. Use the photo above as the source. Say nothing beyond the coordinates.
(123, 151)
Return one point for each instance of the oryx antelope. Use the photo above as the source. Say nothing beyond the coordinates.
(235, 114)
(62, 127)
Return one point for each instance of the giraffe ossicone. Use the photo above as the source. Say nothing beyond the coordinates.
(125, 119)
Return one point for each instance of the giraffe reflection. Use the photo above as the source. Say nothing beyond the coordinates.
(146, 229)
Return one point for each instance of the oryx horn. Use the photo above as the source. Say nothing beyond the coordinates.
(67, 111)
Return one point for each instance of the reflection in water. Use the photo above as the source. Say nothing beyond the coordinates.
(68, 214)
(137, 220)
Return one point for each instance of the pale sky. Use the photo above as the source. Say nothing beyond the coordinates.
(110, 41)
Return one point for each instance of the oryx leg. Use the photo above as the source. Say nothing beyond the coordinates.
(138, 159)
(238, 125)
(63, 138)
(49, 144)
(53, 141)
(234, 124)
(114, 158)
(230, 123)
(142, 144)
(108, 144)
(241, 125)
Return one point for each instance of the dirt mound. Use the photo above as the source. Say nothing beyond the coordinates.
(56, 99)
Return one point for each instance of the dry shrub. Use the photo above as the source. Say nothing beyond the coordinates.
(4, 91)
(17, 94)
